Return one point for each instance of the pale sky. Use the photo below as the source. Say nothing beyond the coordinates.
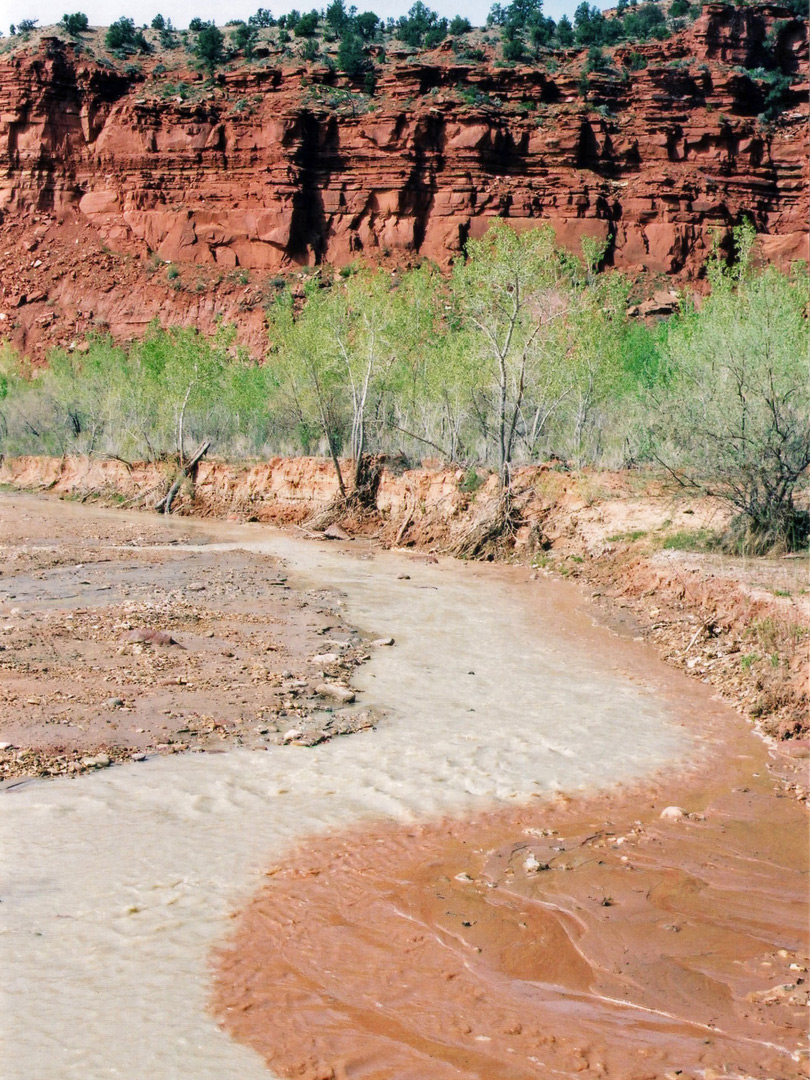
(102, 12)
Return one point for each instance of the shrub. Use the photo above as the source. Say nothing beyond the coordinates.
(210, 46)
(244, 39)
(307, 25)
(351, 58)
(75, 24)
(459, 25)
(261, 19)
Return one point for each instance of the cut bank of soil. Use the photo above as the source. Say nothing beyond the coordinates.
(116, 642)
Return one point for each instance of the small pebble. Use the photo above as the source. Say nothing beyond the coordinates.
(114, 702)
(673, 813)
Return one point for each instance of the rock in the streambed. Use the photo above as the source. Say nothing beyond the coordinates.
(325, 658)
(6, 745)
(98, 761)
(335, 532)
(291, 735)
(196, 586)
(337, 692)
(673, 813)
(114, 702)
(383, 641)
(403, 577)
(150, 637)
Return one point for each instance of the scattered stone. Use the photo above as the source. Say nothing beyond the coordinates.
(138, 757)
(114, 703)
(403, 577)
(291, 735)
(99, 761)
(336, 692)
(335, 532)
(195, 586)
(325, 658)
(673, 813)
(383, 641)
(6, 746)
(532, 865)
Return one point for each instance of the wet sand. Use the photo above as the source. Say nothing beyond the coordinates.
(585, 937)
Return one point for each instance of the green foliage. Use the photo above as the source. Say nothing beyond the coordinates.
(307, 25)
(564, 34)
(692, 540)
(75, 24)
(459, 25)
(472, 482)
(644, 22)
(209, 47)
(523, 354)
(351, 57)
(262, 19)
(635, 62)
(244, 38)
(158, 23)
(123, 38)
(366, 24)
(735, 415)
(421, 26)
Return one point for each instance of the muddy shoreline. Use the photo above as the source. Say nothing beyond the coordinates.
(561, 936)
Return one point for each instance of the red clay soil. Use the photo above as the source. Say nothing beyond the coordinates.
(595, 938)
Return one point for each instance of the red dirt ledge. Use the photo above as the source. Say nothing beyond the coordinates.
(741, 625)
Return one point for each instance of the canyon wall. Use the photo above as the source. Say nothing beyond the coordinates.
(107, 174)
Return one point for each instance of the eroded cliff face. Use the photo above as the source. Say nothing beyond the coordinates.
(106, 176)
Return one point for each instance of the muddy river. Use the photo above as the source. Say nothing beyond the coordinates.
(501, 696)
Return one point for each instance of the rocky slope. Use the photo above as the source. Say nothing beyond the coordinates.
(111, 172)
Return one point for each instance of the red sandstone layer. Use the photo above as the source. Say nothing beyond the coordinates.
(107, 177)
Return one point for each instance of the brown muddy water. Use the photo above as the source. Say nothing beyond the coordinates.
(405, 930)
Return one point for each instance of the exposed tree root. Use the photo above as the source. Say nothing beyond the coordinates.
(360, 501)
(493, 527)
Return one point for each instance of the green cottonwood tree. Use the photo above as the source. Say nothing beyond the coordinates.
(735, 420)
(514, 296)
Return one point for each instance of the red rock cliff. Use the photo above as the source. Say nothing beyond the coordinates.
(106, 174)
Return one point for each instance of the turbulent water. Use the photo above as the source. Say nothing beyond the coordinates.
(118, 884)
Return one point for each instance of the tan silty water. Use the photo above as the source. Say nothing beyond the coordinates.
(118, 885)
